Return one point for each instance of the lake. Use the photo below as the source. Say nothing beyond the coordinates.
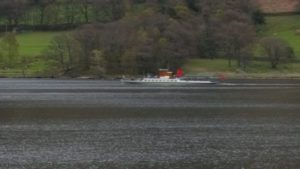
(87, 124)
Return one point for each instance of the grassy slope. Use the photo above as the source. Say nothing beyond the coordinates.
(34, 43)
(200, 66)
(284, 27)
(31, 44)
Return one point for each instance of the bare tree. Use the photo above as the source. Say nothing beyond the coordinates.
(64, 53)
(276, 50)
(88, 39)
(237, 37)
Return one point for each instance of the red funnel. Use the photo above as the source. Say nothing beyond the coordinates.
(179, 72)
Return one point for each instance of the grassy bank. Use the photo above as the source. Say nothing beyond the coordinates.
(34, 43)
(284, 27)
(31, 45)
(255, 69)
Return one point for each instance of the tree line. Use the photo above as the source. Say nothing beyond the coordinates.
(51, 12)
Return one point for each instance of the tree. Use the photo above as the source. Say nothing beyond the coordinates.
(193, 5)
(42, 6)
(64, 54)
(24, 63)
(13, 10)
(88, 40)
(115, 40)
(70, 11)
(138, 58)
(84, 6)
(276, 50)
(57, 52)
(208, 34)
(10, 48)
(111, 10)
(177, 43)
(258, 17)
(236, 41)
(237, 35)
(98, 63)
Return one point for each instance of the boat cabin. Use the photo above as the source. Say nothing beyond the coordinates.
(165, 74)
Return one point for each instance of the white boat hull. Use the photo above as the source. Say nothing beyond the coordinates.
(159, 81)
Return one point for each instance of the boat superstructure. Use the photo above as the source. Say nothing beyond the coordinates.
(166, 77)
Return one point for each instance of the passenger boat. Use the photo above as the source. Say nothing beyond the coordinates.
(166, 77)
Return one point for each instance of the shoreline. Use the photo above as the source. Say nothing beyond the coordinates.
(226, 76)
(262, 76)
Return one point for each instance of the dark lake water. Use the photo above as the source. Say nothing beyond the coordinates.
(87, 124)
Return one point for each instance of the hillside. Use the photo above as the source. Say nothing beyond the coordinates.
(171, 41)
(33, 43)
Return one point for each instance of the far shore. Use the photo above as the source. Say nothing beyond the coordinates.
(261, 76)
(223, 76)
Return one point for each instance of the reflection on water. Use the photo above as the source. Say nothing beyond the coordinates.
(101, 124)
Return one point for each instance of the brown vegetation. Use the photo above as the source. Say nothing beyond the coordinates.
(163, 35)
(278, 6)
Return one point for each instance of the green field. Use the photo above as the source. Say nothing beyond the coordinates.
(216, 66)
(34, 43)
(194, 66)
(284, 27)
(31, 44)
